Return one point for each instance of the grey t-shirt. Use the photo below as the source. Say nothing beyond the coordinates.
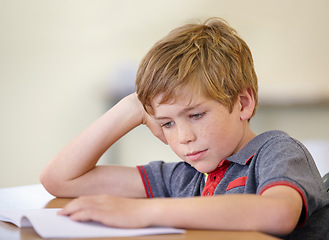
(270, 159)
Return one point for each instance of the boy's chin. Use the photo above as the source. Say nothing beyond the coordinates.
(203, 168)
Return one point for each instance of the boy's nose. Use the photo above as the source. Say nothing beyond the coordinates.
(185, 134)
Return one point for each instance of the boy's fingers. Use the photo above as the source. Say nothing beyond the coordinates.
(82, 210)
(156, 129)
(73, 206)
(66, 211)
(161, 137)
(83, 215)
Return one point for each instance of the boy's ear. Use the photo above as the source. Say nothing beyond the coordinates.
(247, 104)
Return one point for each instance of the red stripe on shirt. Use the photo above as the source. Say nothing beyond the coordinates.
(241, 181)
(249, 159)
(146, 182)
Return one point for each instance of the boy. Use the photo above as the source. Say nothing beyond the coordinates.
(196, 91)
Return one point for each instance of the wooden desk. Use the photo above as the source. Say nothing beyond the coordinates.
(35, 196)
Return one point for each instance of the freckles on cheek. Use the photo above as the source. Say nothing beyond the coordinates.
(173, 145)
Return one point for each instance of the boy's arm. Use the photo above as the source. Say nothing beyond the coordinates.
(276, 211)
(73, 171)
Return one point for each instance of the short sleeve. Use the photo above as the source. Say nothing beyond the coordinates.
(285, 161)
(171, 179)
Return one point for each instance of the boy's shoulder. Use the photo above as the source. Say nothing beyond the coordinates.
(273, 139)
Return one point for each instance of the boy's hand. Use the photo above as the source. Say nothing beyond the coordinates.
(149, 121)
(109, 210)
(155, 128)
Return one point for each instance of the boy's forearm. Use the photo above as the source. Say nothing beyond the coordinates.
(227, 212)
(89, 146)
(82, 154)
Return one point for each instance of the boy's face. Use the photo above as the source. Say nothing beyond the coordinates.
(201, 131)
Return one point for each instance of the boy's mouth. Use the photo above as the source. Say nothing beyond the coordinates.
(194, 156)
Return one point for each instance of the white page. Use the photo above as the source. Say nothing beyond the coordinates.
(48, 224)
(15, 217)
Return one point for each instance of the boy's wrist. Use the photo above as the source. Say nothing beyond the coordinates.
(134, 108)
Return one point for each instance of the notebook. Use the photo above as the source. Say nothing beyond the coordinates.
(48, 224)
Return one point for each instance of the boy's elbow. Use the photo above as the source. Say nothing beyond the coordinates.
(283, 210)
(285, 221)
(46, 182)
(50, 183)
(285, 226)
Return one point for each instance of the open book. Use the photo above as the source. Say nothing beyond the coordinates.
(48, 224)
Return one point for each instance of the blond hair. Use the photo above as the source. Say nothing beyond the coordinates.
(210, 58)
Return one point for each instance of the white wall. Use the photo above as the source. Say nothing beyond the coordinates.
(59, 61)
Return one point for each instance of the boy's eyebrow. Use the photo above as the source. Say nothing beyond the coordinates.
(184, 110)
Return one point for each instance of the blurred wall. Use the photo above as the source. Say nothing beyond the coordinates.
(64, 62)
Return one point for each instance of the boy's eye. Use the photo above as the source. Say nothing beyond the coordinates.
(197, 115)
(168, 124)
